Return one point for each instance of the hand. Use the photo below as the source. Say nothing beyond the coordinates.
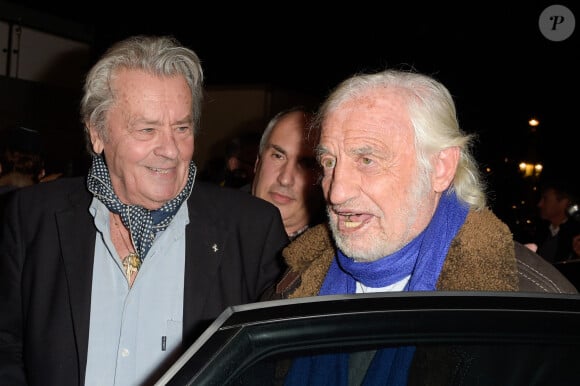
(576, 247)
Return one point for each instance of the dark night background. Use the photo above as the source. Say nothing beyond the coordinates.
(491, 55)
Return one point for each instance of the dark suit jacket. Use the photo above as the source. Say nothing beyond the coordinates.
(562, 247)
(47, 245)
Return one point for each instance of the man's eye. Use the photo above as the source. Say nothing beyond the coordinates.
(185, 129)
(366, 161)
(328, 163)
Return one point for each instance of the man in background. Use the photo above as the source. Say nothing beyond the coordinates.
(557, 228)
(21, 158)
(286, 172)
(21, 161)
(241, 152)
(235, 169)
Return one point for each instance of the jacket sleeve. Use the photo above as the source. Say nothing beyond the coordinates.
(271, 261)
(11, 316)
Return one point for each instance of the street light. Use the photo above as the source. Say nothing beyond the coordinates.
(530, 169)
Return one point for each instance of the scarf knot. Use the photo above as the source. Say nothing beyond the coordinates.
(143, 224)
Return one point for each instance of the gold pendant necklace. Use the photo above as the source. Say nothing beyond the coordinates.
(131, 262)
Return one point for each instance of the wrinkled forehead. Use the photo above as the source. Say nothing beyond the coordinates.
(374, 110)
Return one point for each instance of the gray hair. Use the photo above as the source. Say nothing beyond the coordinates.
(434, 119)
(163, 56)
(274, 121)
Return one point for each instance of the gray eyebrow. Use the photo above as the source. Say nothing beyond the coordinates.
(319, 150)
(278, 149)
(364, 150)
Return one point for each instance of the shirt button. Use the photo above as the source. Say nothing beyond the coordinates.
(125, 352)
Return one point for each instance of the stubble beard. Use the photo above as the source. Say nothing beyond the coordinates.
(367, 246)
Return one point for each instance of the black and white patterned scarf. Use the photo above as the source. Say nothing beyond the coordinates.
(143, 224)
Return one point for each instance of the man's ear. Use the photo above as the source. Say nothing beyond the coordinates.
(445, 165)
(256, 164)
(96, 140)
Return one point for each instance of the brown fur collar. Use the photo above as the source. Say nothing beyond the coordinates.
(480, 258)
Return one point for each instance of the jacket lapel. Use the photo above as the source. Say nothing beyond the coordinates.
(77, 241)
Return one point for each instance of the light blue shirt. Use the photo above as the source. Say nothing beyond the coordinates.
(133, 330)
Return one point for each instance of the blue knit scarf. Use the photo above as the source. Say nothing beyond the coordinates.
(422, 260)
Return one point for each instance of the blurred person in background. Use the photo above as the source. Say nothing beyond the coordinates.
(21, 161)
(21, 158)
(575, 254)
(553, 238)
(574, 214)
(236, 168)
(241, 152)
